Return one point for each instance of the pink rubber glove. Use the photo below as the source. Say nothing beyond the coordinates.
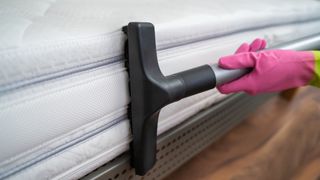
(273, 70)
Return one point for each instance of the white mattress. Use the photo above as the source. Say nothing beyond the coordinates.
(63, 84)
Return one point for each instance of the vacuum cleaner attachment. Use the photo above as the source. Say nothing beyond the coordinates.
(150, 90)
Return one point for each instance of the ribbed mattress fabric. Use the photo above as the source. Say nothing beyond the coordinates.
(63, 83)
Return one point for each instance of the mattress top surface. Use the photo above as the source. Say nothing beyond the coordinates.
(41, 39)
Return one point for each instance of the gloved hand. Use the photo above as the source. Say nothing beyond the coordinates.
(272, 70)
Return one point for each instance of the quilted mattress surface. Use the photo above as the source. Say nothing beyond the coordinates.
(63, 83)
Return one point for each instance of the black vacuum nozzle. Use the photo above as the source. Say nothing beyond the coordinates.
(150, 90)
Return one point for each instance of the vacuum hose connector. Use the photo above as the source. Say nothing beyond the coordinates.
(223, 76)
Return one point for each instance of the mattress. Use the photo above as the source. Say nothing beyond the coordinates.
(64, 86)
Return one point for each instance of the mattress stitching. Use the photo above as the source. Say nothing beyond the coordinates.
(222, 33)
(160, 42)
(64, 72)
(186, 37)
(114, 54)
(87, 139)
(34, 161)
(124, 144)
(95, 40)
(95, 122)
(100, 76)
(89, 79)
(22, 155)
(173, 53)
(88, 64)
(302, 15)
(160, 60)
(204, 99)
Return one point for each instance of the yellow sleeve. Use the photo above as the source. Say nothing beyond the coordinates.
(316, 79)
